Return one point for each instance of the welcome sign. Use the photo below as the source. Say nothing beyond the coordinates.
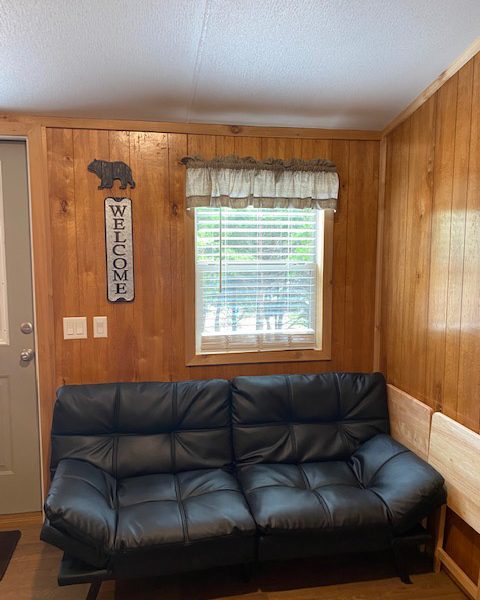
(119, 249)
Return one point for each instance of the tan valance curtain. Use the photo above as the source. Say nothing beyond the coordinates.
(241, 182)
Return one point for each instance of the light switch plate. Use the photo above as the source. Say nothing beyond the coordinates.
(100, 328)
(74, 328)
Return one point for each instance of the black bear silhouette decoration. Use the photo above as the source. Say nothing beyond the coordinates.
(109, 171)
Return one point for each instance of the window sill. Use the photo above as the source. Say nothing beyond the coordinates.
(271, 356)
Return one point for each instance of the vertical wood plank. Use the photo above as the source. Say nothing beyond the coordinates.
(248, 146)
(202, 145)
(377, 333)
(283, 148)
(316, 149)
(152, 313)
(361, 240)
(457, 240)
(64, 263)
(205, 146)
(440, 240)
(395, 252)
(89, 201)
(177, 148)
(386, 275)
(340, 153)
(417, 241)
(468, 409)
(224, 145)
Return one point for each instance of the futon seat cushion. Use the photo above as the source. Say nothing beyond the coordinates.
(185, 517)
(310, 497)
(185, 508)
(382, 491)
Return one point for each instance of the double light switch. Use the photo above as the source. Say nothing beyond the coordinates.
(75, 328)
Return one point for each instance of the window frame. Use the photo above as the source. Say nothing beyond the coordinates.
(324, 310)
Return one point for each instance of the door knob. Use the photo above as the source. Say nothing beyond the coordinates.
(26, 355)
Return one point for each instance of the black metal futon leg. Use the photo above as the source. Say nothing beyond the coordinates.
(76, 572)
(93, 590)
(401, 563)
(418, 536)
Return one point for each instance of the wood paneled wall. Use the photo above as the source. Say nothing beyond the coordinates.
(146, 338)
(431, 264)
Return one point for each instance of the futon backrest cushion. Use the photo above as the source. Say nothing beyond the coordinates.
(130, 429)
(306, 418)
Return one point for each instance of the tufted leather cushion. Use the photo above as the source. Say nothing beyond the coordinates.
(306, 418)
(383, 489)
(129, 429)
(180, 509)
(141, 514)
(310, 497)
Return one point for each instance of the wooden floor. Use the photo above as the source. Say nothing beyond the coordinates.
(32, 573)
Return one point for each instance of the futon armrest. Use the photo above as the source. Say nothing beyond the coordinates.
(408, 486)
(81, 504)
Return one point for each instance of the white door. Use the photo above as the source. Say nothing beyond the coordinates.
(19, 447)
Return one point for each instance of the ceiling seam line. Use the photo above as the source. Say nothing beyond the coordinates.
(198, 58)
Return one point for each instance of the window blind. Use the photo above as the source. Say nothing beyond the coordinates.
(256, 278)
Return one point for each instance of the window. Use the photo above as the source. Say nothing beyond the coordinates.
(259, 248)
(261, 282)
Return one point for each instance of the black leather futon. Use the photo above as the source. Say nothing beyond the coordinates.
(157, 478)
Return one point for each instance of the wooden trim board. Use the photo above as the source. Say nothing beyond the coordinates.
(409, 421)
(192, 128)
(20, 519)
(458, 63)
(455, 452)
(459, 576)
(43, 290)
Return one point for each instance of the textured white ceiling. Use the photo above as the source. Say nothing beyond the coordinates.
(306, 63)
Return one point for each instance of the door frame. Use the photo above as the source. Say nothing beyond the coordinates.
(34, 134)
